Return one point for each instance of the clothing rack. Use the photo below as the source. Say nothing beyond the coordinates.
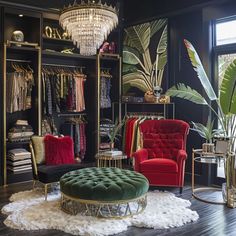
(60, 65)
(147, 114)
(16, 60)
(71, 114)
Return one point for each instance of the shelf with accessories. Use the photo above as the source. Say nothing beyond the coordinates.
(21, 113)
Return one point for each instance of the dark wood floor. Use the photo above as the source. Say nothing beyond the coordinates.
(214, 219)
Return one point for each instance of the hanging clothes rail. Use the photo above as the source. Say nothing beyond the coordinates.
(59, 65)
(16, 60)
(71, 114)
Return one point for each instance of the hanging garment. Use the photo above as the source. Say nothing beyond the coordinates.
(19, 88)
(63, 92)
(105, 92)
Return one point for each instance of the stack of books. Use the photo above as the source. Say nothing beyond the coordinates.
(19, 160)
(112, 153)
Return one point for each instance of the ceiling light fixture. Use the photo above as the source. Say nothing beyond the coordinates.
(21, 15)
(89, 23)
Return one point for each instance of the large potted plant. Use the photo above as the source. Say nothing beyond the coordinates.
(226, 103)
(225, 112)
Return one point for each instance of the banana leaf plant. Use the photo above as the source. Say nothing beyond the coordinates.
(226, 103)
(206, 131)
(139, 70)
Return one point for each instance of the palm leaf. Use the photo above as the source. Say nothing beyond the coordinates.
(228, 90)
(138, 36)
(198, 67)
(187, 93)
(157, 25)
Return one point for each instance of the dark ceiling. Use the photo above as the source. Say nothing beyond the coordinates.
(134, 10)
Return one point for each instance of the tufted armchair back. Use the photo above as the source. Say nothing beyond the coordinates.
(164, 138)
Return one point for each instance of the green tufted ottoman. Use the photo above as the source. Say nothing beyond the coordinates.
(103, 192)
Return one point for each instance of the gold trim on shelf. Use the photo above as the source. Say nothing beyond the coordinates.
(4, 116)
(105, 209)
(10, 42)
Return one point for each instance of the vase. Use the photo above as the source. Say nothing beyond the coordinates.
(208, 147)
(112, 144)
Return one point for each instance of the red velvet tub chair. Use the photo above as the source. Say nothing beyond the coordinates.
(162, 158)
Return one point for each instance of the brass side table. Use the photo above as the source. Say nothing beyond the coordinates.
(104, 160)
(205, 158)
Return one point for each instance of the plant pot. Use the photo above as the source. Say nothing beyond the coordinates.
(112, 145)
(208, 147)
(222, 145)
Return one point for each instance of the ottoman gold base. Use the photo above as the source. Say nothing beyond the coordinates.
(112, 209)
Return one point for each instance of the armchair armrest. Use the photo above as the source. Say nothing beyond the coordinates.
(181, 157)
(139, 156)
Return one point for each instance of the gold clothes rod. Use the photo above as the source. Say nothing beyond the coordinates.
(59, 65)
(16, 60)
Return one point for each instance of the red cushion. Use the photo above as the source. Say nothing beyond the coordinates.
(159, 165)
(58, 150)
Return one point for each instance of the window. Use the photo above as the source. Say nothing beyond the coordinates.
(225, 53)
(226, 32)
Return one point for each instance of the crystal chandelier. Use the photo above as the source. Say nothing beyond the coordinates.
(88, 24)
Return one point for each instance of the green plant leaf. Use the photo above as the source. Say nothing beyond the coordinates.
(162, 44)
(131, 56)
(138, 80)
(185, 92)
(147, 60)
(127, 68)
(157, 25)
(138, 37)
(161, 48)
(228, 90)
(198, 67)
(162, 61)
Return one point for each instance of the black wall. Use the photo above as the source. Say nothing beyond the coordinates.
(191, 20)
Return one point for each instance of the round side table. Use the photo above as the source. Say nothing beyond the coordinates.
(205, 158)
(104, 160)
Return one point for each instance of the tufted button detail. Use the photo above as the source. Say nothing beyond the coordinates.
(104, 184)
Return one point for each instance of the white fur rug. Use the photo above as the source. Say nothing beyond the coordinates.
(29, 211)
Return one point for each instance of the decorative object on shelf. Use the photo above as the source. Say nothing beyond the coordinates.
(108, 47)
(88, 23)
(221, 144)
(150, 97)
(130, 99)
(69, 50)
(18, 36)
(164, 99)
(48, 32)
(144, 60)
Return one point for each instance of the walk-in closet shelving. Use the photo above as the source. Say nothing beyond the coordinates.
(21, 101)
(109, 72)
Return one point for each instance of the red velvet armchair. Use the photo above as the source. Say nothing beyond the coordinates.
(162, 158)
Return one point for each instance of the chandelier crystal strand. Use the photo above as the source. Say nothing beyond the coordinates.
(89, 24)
